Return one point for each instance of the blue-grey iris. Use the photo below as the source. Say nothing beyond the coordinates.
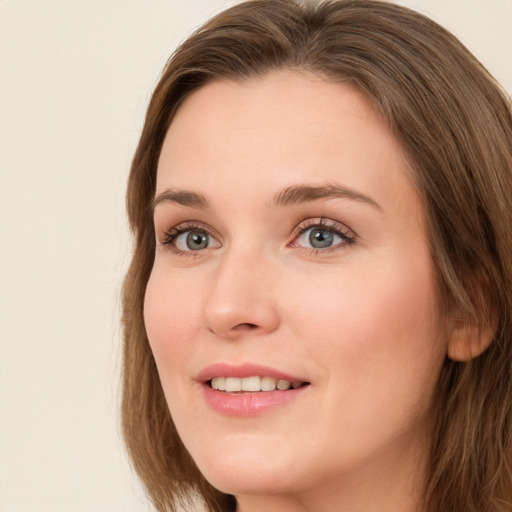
(320, 238)
(197, 240)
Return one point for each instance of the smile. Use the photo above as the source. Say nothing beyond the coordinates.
(249, 389)
(252, 384)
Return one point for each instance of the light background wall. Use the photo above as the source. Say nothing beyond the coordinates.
(75, 78)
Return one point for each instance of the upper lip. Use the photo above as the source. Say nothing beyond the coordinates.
(244, 370)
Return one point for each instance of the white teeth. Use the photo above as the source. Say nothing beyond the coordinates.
(283, 385)
(252, 384)
(219, 383)
(233, 384)
(268, 384)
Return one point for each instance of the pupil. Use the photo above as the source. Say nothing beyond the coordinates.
(320, 238)
(197, 240)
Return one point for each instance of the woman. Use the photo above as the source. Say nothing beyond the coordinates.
(318, 311)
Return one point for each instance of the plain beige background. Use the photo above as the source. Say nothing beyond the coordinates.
(75, 78)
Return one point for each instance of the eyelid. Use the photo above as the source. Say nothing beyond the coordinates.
(348, 236)
(170, 235)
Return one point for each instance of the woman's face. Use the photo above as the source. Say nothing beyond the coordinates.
(291, 252)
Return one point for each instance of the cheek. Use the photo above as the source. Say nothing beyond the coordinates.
(171, 320)
(373, 300)
(375, 337)
(376, 323)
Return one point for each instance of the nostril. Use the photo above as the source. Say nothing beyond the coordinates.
(246, 327)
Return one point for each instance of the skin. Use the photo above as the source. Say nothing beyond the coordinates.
(358, 320)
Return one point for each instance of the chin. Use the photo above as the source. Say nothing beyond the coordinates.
(240, 473)
(248, 482)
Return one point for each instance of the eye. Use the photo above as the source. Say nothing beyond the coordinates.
(187, 239)
(192, 240)
(323, 235)
(319, 238)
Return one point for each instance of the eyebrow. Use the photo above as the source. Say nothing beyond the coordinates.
(295, 194)
(304, 193)
(181, 197)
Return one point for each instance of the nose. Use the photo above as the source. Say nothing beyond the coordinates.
(241, 298)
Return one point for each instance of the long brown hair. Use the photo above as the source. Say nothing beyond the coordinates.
(455, 124)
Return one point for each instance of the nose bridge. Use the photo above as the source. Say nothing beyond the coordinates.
(241, 294)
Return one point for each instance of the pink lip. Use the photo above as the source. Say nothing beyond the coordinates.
(246, 404)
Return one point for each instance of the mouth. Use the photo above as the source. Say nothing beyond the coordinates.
(249, 389)
(253, 384)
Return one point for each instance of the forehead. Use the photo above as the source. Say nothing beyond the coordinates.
(280, 130)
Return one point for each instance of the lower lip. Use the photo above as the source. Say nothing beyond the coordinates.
(248, 404)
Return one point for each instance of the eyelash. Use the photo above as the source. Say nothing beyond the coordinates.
(347, 236)
(172, 235)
